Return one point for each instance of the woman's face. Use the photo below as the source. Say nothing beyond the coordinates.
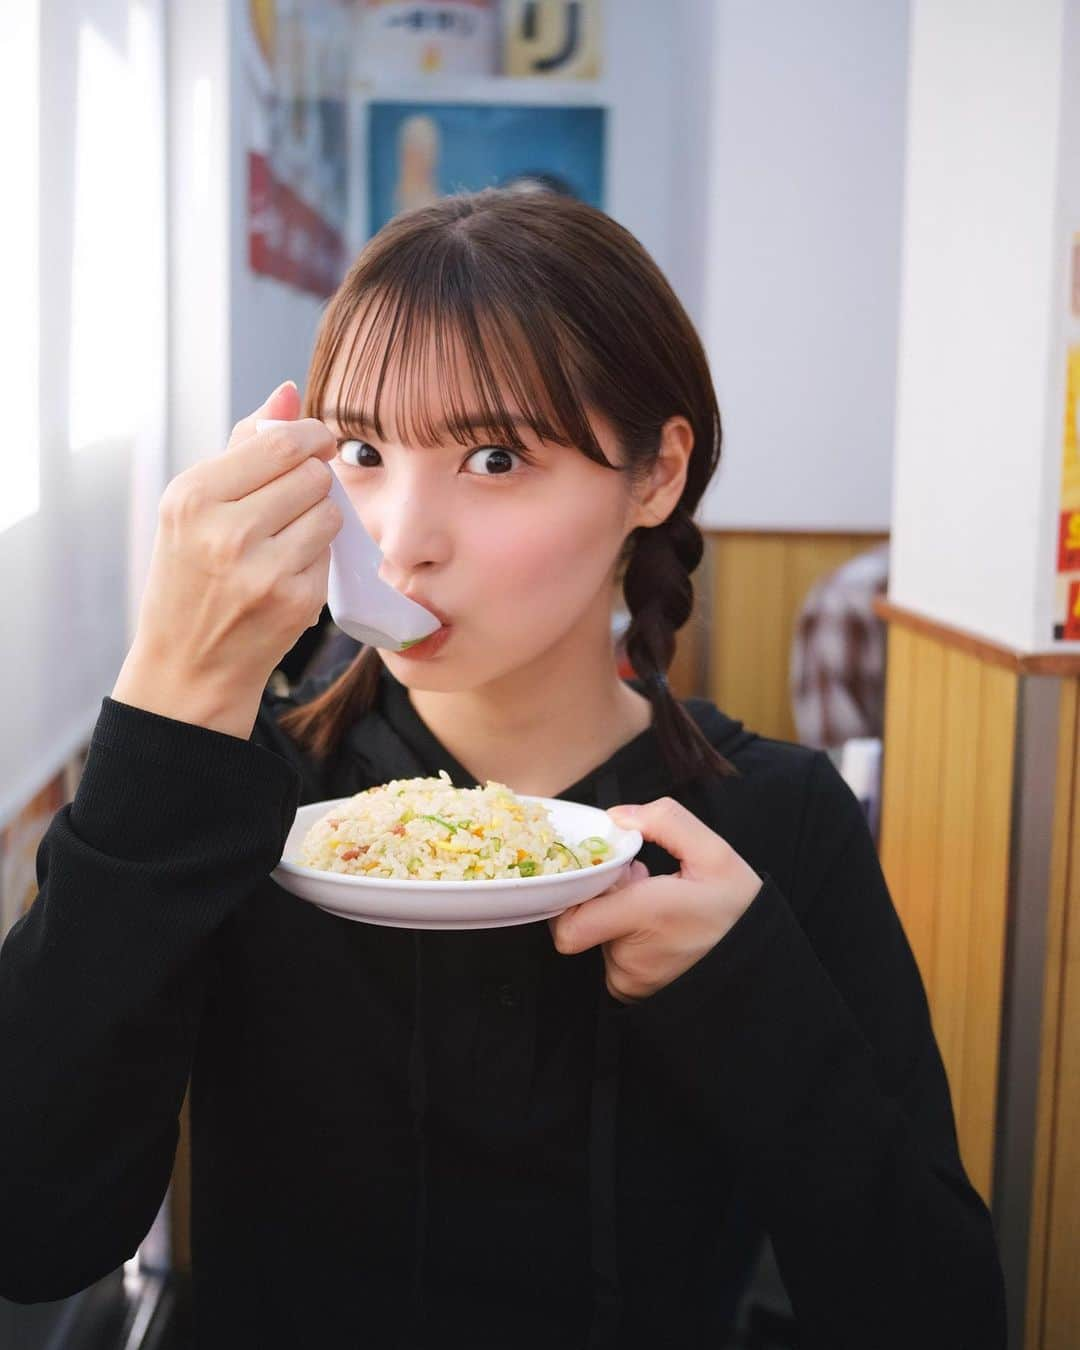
(516, 550)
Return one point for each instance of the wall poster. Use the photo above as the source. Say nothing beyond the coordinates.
(418, 152)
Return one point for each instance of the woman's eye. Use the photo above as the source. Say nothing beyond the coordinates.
(356, 453)
(497, 461)
(494, 461)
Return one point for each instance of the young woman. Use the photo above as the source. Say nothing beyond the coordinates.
(538, 1136)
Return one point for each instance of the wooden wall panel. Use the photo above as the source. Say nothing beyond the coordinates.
(926, 751)
(758, 583)
(1053, 1294)
(950, 726)
(977, 1076)
(956, 923)
(894, 845)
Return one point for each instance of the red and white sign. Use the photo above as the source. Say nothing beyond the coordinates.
(288, 239)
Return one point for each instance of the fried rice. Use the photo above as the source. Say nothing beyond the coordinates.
(425, 829)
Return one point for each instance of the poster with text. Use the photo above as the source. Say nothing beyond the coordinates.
(295, 56)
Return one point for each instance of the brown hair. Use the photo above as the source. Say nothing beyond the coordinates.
(555, 303)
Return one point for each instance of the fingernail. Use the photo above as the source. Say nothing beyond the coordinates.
(283, 385)
(629, 812)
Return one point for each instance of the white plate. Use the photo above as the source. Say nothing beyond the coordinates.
(461, 904)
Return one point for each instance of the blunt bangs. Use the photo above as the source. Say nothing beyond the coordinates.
(495, 359)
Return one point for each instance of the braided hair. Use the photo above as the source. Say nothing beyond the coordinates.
(659, 595)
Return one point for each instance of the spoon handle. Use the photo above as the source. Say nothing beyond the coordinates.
(361, 603)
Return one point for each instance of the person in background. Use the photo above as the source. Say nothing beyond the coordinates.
(838, 655)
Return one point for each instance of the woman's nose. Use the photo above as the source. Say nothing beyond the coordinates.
(405, 521)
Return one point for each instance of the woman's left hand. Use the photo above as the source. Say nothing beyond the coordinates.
(654, 928)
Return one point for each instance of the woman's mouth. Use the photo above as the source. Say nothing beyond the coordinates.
(431, 609)
(430, 646)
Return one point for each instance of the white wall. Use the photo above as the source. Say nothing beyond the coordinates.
(692, 86)
(979, 390)
(659, 82)
(272, 337)
(805, 179)
(65, 566)
(199, 238)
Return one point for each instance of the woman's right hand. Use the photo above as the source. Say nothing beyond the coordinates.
(238, 571)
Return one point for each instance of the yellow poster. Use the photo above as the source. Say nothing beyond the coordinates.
(1068, 551)
(559, 38)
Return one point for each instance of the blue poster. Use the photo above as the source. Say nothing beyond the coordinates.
(418, 152)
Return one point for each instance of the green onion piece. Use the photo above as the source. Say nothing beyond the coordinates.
(559, 844)
(449, 826)
(496, 843)
(595, 844)
(527, 867)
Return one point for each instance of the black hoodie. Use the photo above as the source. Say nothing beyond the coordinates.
(409, 1138)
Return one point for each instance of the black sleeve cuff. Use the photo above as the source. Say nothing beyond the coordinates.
(741, 945)
(148, 777)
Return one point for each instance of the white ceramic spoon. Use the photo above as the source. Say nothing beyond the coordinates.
(361, 603)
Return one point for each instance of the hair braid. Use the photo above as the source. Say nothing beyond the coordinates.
(659, 595)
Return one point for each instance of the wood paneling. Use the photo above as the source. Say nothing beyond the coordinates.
(950, 728)
(758, 583)
(1063, 663)
(1053, 1295)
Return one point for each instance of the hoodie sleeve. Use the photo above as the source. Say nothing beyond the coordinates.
(803, 1039)
(102, 983)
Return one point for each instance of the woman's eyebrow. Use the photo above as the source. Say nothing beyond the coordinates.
(474, 421)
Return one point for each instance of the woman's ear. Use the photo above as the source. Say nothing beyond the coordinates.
(661, 493)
